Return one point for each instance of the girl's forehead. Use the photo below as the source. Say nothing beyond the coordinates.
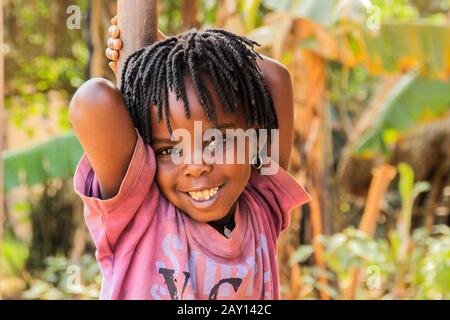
(197, 113)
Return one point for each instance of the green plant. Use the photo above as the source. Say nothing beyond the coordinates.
(14, 256)
(426, 271)
(404, 266)
(413, 101)
(63, 279)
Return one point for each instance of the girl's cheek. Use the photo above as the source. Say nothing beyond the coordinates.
(166, 175)
(238, 174)
(239, 154)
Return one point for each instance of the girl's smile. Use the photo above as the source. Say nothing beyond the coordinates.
(204, 198)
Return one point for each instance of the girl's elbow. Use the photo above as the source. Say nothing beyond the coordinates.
(91, 99)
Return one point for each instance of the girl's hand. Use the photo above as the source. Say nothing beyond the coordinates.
(114, 43)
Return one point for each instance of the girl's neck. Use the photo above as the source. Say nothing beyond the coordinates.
(227, 221)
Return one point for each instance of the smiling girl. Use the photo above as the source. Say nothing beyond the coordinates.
(190, 230)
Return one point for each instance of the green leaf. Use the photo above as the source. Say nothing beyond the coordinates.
(406, 183)
(414, 100)
(322, 12)
(301, 254)
(419, 187)
(55, 158)
(418, 44)
(250, 13)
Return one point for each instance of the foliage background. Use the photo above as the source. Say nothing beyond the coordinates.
(372, 141)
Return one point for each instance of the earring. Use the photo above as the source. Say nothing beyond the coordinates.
(257, 162)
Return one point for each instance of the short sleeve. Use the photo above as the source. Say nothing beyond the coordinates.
(280, 194)
(107, 219)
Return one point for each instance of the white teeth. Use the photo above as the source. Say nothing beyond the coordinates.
(204, 194)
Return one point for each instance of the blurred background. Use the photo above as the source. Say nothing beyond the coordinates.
(372, 141)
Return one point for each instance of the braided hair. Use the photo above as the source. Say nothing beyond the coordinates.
(150, 72)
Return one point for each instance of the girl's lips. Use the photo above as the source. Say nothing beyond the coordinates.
(202, 204)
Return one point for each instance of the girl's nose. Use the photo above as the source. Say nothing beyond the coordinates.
(196, 170)
(195, 166)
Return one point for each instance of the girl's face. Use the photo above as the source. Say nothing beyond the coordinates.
(205, 192)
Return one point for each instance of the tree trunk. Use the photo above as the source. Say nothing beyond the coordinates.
(138, 23)
(100, 13)
(54, 44)
(97, 35)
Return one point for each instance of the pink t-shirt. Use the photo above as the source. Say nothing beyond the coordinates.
(148, 249)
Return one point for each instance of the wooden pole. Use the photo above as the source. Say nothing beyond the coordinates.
(2, 122)
(138, 23)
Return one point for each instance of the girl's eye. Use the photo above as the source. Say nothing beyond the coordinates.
(167, 151)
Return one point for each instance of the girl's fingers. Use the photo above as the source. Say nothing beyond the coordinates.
(110, 43)
(115, 44)
(115, 20)
(112, 55)
(114, 32)
(118, 44)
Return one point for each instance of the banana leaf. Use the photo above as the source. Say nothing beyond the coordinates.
(55, 158)
(391, 47)
(420, 45)
(413, 101)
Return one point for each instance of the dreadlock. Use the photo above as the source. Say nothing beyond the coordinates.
(150, 72)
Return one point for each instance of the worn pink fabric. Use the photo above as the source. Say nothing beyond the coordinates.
(148, 249)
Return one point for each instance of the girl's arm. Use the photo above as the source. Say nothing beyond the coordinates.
(103, 124)
(105, 130)
(279, 83)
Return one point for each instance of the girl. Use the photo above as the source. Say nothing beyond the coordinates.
(190, 230)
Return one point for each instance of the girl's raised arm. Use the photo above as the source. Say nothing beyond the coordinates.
(278, 81)
(105, 130)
